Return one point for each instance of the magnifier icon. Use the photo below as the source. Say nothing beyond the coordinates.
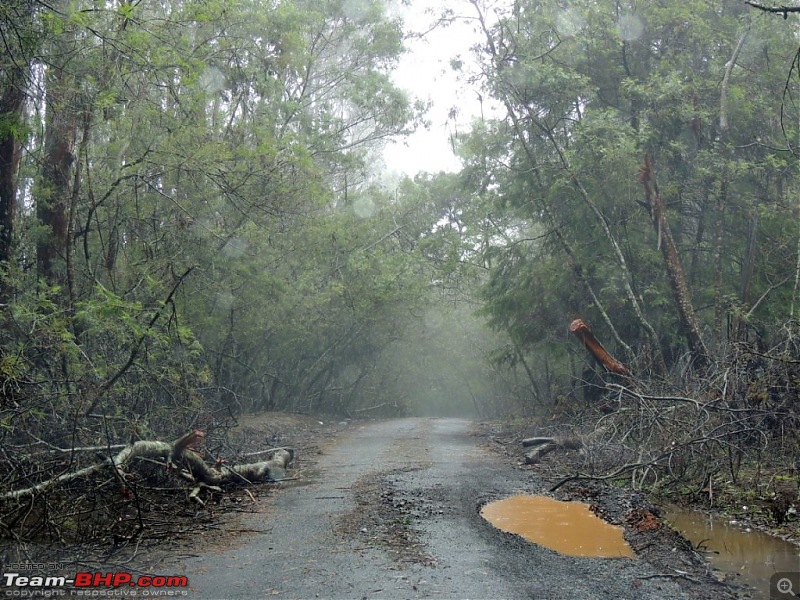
(785, 586)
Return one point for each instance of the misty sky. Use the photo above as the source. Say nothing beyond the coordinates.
(425, 72)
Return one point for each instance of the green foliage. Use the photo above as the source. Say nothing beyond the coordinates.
(232, 138)
(589, 91)
(13, 125)
(236, 138)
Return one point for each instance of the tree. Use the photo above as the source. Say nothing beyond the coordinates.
(19, 38)
(54, 197)
(587, 92)
(193, 229)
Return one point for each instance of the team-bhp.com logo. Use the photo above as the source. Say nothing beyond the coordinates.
(94, 584)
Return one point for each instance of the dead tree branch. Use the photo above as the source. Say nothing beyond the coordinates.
(781, 10)
(179, 455)
(544, 446)
(621, 471)
(596, 349)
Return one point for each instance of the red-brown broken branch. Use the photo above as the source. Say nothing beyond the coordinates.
(600, 354)
(185, 442)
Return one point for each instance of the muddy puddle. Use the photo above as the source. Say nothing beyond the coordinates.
(566, 527)
(753, 556)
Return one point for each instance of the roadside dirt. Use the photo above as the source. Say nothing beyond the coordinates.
(391, 510)
(743, 509)
(158, 521)
(221, 522)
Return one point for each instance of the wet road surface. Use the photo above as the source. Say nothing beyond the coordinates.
(310, 548)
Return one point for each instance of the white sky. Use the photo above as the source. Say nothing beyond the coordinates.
(425, 72)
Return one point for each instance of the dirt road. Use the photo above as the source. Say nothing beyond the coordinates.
(391, 511)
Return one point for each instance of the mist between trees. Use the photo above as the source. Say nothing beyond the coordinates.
(193, 226)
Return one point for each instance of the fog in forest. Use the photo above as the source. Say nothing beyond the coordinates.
(442, 366)
(579, 213)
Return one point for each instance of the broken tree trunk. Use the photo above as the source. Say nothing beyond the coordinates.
(673, 266)
(595, 348)
(586, 444)
(546, 445)
(177, 456)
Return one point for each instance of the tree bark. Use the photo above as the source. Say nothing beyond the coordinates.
(55, 190)
(544, 446)
(596, 349)
(699, 238)
(11, 103)
(178, 455)
(14, 75)
(673, 266)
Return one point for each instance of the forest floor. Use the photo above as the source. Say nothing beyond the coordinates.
(744, 501)
(749, 504)
(391, 509)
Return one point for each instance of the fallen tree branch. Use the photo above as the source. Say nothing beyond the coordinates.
(179, 456)
(621, 471)
(715, 435)
(676, 575)
(596, 349)
(376, 407)
(53, 448)
(194, 495)
(544, 446)
(268, 450)
(712, 405)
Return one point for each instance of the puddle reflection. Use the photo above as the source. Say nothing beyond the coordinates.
(752, 555)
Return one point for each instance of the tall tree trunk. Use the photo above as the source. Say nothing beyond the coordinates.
(16, 29)
(11, 104)
(748, 270)
(719, 237)
(726, 153)
(673, 266)
(796, 288)
(521, 357)
(694, 266)
(55, 193)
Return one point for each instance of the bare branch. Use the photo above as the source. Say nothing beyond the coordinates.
(781, 10)
(190, 465)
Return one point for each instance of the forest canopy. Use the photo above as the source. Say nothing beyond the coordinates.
(194, 222)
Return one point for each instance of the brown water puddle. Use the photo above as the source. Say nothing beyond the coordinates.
(752, 555)
(566, 527)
